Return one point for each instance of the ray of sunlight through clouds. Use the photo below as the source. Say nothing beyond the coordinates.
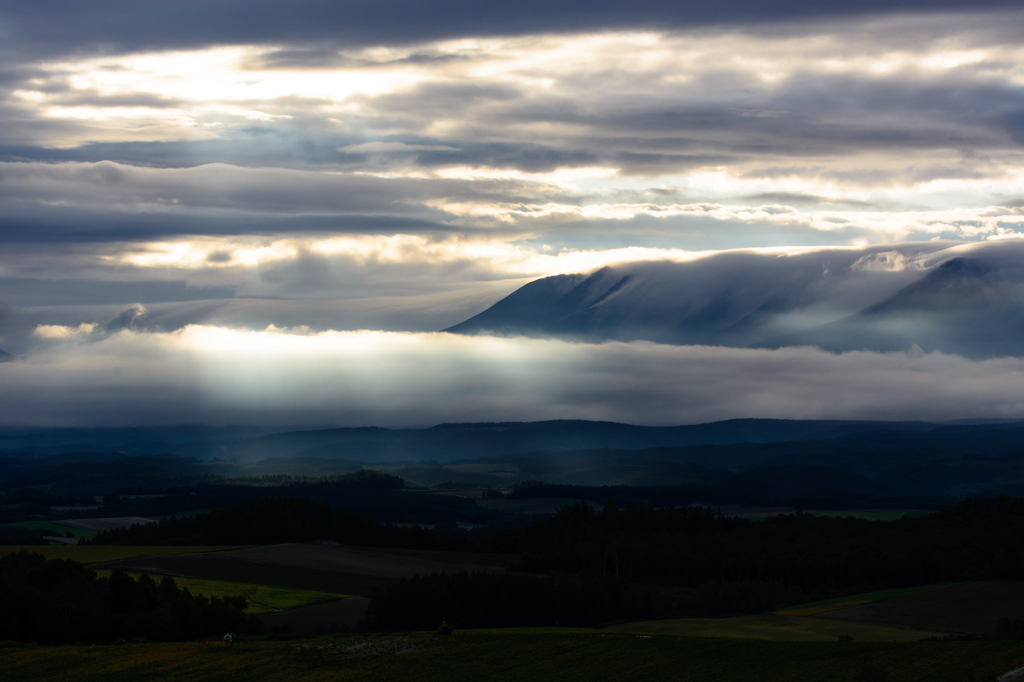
(763, 189)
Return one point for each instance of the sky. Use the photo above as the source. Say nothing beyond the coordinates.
(263, 212)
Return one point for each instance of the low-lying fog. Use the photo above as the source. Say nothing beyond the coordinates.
(213, 375)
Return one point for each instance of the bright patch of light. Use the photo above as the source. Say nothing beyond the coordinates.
(57, 331)
(504, 257)
(212, 253)
(568, 178)
(951, 60)
(274, 342)
(106, 113)
(390, 147)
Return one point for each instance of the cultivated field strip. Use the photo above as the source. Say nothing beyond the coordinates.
(391, 563)
(262, 598)
(95, 554)
(322, 568)
(775, 627)
(318, 618)
(213, 567)
(971, 608)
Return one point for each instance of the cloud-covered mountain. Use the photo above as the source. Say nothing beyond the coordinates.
(964, 299)
(969, 306)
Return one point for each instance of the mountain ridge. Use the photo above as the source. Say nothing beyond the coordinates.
(964, 301)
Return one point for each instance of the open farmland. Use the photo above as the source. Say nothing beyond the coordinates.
(318, 618)
(98, 554)
(515, 655)
(390, 563)
(827, 605)
(325, 568)
(875, 514)
(262, 598)
(538, 506)
(222, 568)
(974, 607)
(775, 627)
(107, 524)
(56, 528)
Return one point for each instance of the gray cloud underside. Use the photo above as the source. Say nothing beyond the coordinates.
(107, 201)
(66, 26)
(399, 380)
(819, 122)
(419, 306)
(915, 124)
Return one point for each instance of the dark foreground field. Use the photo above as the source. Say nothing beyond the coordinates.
(513, 655)
(328, 568)
(319, 618)
(973, 608)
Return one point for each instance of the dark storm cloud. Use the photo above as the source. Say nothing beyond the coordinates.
(69, 26)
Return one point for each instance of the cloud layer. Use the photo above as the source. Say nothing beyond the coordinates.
(397, 165)
(216, 375)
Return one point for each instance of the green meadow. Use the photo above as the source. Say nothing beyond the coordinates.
(262, 598)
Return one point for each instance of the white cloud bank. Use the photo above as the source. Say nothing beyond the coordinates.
(216, 375)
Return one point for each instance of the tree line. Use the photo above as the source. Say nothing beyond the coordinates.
(687, 560)
(64, 602)
(681, 546)
(273, 520)
(976, 539)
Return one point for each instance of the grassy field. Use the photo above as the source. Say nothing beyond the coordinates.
(512, 656)
(57, 528)
(99, 554)
(875, 514)
(819, 607)
(262, 599)
(775, 627)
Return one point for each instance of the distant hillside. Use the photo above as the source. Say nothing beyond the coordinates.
(961, 300)
(443, 443)
(788, 485)
(448, 442)
(836, 460)
(5, 356)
